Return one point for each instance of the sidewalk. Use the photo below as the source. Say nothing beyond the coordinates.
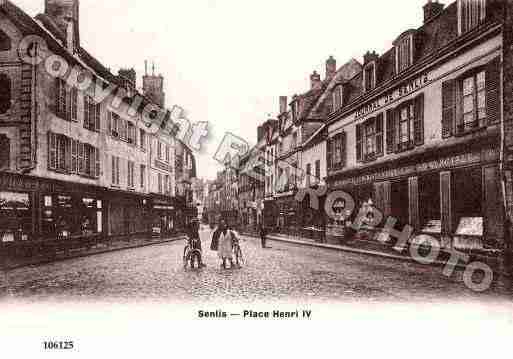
(363, 247)
(112, 246)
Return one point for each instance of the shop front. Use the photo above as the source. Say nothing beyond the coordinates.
(163, 216)
(288, 221)
(453, 195)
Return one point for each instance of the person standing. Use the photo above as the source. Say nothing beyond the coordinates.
(263, 236)
(225, 245)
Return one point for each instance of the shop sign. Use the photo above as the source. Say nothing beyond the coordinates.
(393, 95)
(443, 163)
(18, 183)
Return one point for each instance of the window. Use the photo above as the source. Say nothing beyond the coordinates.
(167, 155)
(74, 156)
(405, 126)
(142, 139)
(471, 14)
(295, 110)
(338, 97)
(369, 77)
(160, 182)
(308, 174)
(404, 53)
(317, 170)
(114, 124)
(143, 176)
(61, 99)
(472, 101)
(294, 140)
(58, 152)
(337, 151)
(166, 185)
(115, 170)
(5, 41)
(131, 133)
(91, 159)
(92, 114)
(5, 93)
(369, 139)
(123, 129)
(130, 175)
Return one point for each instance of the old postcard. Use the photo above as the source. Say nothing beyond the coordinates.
(218, 177)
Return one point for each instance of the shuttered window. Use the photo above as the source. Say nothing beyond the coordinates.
(418, 123)
(74, 156)
(337, 151)
(81, 157)
(472, 101)
(471, 14)
(92, 114)
(52, 151)
(97, 164)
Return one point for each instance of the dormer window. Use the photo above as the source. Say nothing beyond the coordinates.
(295, 110)
(338, 97)
(369, 76)
(404, 52)
(471, 13)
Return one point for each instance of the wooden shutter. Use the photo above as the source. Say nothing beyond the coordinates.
(57, 97)
(109, 123)
(117, 170)
(86, 111)
(418, 124)
(448, 108)
(446, 202)
(379, 135)
(81, 156)
(74, 104)
(52, 150)
(67, 151)
(97, 117)
(74, 156)
(97, 164)
(493, 205)
(329, 153)
(113, 167)
(493, 91)
(390, 131)
(68, 104)
(359, 143)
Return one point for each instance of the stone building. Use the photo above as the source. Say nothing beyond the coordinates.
(71, 166)
(420, 132)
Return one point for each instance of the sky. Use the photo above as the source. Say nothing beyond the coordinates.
(228, 61)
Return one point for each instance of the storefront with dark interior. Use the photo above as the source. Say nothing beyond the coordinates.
(452, 194)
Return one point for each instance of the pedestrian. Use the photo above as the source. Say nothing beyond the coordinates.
(195, 239)
(224, 244)
(263, 235)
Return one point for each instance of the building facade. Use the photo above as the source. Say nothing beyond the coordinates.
(71, 166)
(418, 133)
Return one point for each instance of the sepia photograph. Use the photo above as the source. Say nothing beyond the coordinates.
(198, 177)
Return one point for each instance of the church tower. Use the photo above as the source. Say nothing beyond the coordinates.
(153, 86)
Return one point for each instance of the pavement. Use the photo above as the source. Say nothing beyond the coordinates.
(286, 271)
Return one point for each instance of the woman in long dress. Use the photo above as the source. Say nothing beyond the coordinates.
(225, 249)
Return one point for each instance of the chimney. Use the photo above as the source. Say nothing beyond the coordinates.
(315, 80)
(431, 9)
(331, 68)
(283, 104)
(369, 57)
(65, 13)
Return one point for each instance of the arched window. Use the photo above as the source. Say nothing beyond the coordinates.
(5, 41)
(5, 93)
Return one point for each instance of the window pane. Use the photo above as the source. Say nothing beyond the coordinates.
(468, 86)
(468, 104)
(481, 80)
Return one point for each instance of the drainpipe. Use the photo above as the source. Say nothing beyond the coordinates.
(33, 119)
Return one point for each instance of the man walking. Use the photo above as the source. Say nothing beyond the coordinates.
(263, 235)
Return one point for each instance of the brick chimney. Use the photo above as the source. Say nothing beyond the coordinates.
(66, 15)
(331, 67)
(283, 104)
(431, 9)
(315, 80)
(369, 57)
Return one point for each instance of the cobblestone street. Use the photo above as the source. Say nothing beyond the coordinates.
(283, 271)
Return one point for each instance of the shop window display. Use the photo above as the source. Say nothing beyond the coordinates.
(15, 216)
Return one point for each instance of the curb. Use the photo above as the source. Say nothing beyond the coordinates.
(82, 255)
(355, 251)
